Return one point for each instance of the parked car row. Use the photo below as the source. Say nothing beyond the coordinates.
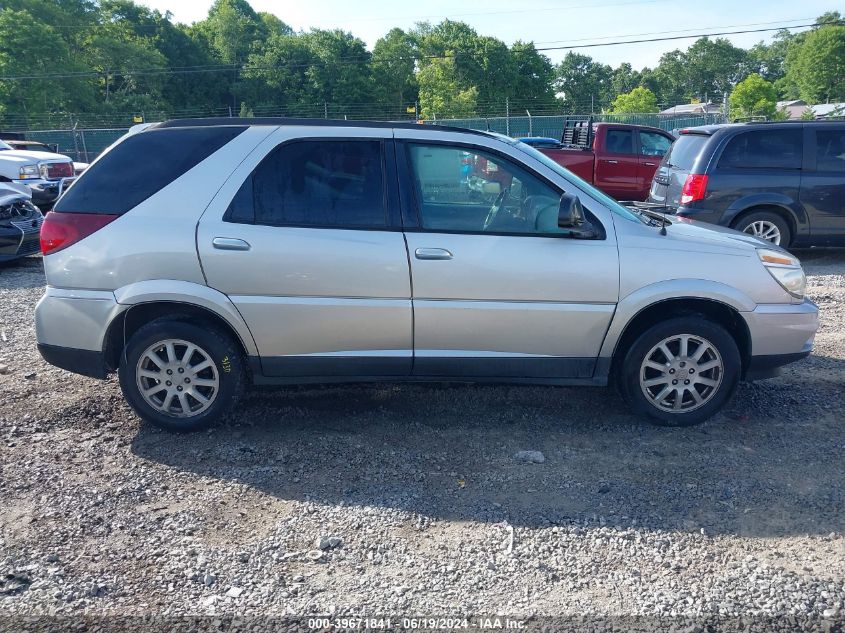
(32, 177)
(781, 182)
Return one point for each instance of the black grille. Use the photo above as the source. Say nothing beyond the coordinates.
(28, 226)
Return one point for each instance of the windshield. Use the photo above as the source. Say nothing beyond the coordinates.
(609, 202)
(684, 151)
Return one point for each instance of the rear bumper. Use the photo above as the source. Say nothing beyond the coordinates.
(702, 215)
(79, 361)
(780, 334)
(70, 326)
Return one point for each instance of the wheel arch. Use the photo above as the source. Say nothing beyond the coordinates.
(784, 212)
(642, 309)
(149, 300)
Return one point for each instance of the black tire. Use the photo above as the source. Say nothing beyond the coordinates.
(219, 348)
(630, 369)
(746, 221)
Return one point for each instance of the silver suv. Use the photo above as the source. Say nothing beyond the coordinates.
(196, 257)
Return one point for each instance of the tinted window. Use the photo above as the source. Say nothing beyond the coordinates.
(830, 150)
(466, 189)
(653, 144)
(620, 142)
(685, 151)
(763, 149)
(141, 165)
(315, 183)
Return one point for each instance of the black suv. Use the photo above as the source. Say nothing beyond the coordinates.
(783, 182)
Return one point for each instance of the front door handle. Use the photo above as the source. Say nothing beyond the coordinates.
(650, 164)
(230, 244)
(612, 162)
(432, 253)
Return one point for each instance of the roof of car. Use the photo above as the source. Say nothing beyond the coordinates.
(277, 121)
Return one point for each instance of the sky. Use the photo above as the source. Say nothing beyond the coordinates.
(548, 23)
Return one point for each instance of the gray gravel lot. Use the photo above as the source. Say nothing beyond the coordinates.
(409, 499)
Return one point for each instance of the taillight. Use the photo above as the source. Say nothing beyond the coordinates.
(695, 186)
(60, 230)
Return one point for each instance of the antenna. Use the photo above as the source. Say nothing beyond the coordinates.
(663, 223)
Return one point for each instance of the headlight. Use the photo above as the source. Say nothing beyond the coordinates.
(43, 170)
(29, 171)
(786, 270)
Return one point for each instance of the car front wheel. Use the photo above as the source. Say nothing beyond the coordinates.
(681, 371)
(180, 376)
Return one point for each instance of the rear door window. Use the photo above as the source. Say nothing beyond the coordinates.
(319, 183)
(764, 149)
(619, 142)
(830, 150)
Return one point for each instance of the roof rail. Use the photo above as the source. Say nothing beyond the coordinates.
(278, 121)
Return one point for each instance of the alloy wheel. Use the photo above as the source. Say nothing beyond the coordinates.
(765, 230)
(681, 373)
(177, 378)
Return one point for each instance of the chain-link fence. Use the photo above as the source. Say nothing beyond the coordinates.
(86, 144)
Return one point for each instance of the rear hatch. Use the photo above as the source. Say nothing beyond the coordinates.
(677, 163)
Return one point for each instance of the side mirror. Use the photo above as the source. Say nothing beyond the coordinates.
(570, 213)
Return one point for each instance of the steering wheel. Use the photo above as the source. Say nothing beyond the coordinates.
(494, 210)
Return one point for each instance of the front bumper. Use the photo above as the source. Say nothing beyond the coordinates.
(20, 238)
(780, 334)
(46, 192)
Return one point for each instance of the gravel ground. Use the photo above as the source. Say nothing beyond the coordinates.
(415, 499)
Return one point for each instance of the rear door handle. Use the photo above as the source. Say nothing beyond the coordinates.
(432, 253)
(650, 164)
(230, 244)
(612, 162)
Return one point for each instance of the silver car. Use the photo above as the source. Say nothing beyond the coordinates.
(197, 257)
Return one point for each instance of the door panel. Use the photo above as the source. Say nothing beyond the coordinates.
(617, 166)
(503, 303)
(316, 292)
(319, 300)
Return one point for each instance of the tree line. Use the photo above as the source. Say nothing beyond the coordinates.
(114, 56)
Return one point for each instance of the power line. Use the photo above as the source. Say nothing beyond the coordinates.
(361, 59)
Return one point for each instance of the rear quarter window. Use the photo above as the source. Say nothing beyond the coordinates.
(763, 149)
(685, 151)
(142, 165)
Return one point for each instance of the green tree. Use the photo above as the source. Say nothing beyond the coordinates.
(441, 93)
(816, 65)
(393, 64)
(583, 83)
(28, 47)
(624, 79)
(753, 96)
(638, 100)
(533, 77)
(232, 29)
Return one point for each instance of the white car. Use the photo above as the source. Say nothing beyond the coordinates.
(45, 173)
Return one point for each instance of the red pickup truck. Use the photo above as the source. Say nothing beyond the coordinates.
(618, 158)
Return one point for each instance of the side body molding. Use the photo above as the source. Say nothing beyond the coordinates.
(189, 293)
(642, 298)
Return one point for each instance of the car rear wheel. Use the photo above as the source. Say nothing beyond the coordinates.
(766, 225)
(681, 371)
(180, 376)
